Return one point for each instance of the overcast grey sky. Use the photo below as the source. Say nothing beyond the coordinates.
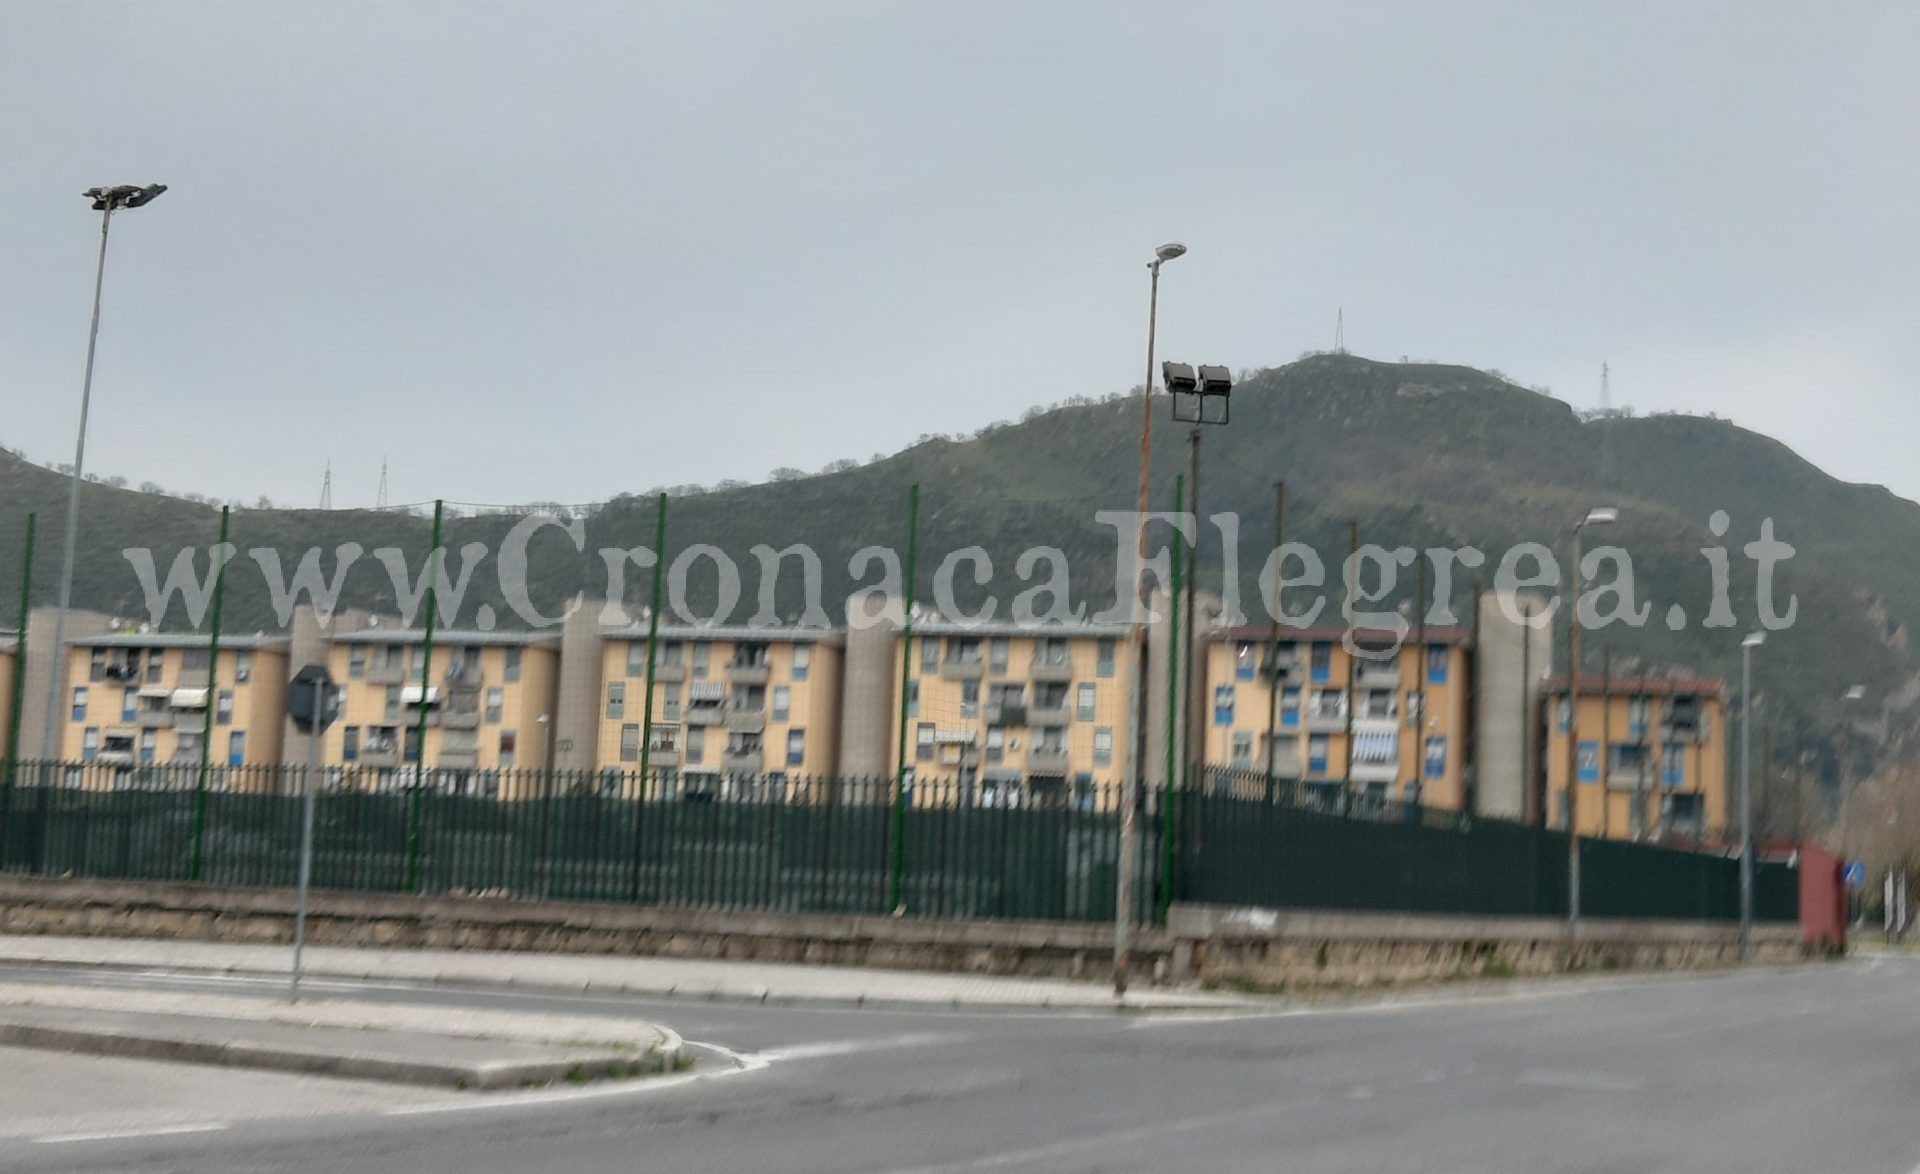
(566, 250)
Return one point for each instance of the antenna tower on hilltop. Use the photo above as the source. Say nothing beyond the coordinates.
(381, 501)
(326, 488)
(1340, 331)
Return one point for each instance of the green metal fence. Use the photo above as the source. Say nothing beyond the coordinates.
(826, 845)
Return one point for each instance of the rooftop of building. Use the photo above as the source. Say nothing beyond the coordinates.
(1374, 637)
(734, 633)
(470, 638)
(258, 641)
(1662, 685)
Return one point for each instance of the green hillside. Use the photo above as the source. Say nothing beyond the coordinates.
(1417, 454)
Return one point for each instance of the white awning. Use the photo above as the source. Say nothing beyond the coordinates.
(1375, 747)
(706, 691)
(189, 699)
(410, 694)
(156, 692)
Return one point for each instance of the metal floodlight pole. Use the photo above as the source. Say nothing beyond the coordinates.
(646, 706)
(1174, 645)
(435, 560)
(307, 804)
(1129, 801)
(1273, 638)
(198, 857)
(897, 834)
(1191, 617)
(1753, 640)
(105, 201)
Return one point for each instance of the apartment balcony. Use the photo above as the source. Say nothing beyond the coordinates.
(386, 674)
(963, 670)
(662, 756)
(1376, 772)
(748, 673)
(1051, 668)
(1007, 715)
(741, 761)
(467, 674)
(1377, 674)
(665, 672)
(1286, 762)
(387, 757)
(1049, 715)
(747, 720)
(703, 715)
(191, 679)
(456, 719)
(190, 719)
(1330, 721)
(1047, 757)
(153, 719)
(459, 759)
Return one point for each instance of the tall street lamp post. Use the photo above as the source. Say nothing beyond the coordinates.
(1130, 802)
(1599, 516)
(1752, 641)
(106, 201)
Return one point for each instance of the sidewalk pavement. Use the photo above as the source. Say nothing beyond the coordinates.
(751, 981)
(438, 1046)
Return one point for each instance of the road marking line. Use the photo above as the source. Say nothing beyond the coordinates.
(123, 1134)
(1580, 1081)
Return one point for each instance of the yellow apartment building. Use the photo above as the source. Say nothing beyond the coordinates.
(737, 711)
(1015, 715)
(489, 706)
(1651, 756)
(138, 702)
(1403, 707)
(7, 655)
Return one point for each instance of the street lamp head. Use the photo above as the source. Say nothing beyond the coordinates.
(1754, 640)
(1169, 251)
(1602, 515)
(124, 195)
(1854, 693)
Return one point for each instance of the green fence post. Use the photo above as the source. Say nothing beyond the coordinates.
(646, 708)
(1173, 711)
(14, 698)
(197, 858)
(435, 557)
(896, 871)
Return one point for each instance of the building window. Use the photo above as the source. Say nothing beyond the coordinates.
(496, 703)
(156, 665)
(146, 748)
(393, 703)
(1587, 762)
(970, 699)
(1320, 661)
(1317, 753)
(670, 703)
(1436, 664)
(929, 654)
(1561, 708)
(242, 667)
(350, 744)
(512, 670)
(1637, 716)
(90, 743)
(1673, 771)
(997, 654)
(1103, 659)
(802, 661)
(356, 662)
(1103, 746)
(636, 658)
(129, 704)
(923, 742)
(696, 751)
(782, 702)
(1290, 706)
(996, 743)
(1246, 657)
(1436, 756)
(1223, 705)
(913, 698)
(223, 708)
(796, 747)
(1084, 701)
(616, 699)
(79, 703)
(411, 742)
(509, 747)
(97, 665)
(1242, 748)
(194, 658)
(237, 748)
(701, 655)
(629, 743)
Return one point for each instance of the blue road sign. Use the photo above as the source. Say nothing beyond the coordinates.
(1855, 874)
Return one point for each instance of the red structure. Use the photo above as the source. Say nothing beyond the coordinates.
(1823, 893)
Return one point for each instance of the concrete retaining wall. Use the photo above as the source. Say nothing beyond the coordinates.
(1246, 948)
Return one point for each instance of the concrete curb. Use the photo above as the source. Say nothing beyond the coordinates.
(595, 1065)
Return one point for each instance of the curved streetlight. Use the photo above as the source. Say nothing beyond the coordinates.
(106, 201)
(1129, 831)
(1597, 516)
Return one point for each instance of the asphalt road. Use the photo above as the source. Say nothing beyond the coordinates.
(1815, 1068)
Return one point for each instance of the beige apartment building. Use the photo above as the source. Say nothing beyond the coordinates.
(488, 706)
(996, 713)
(7, 661)
(144, 700)
(1377, 716)
(737, 711)
(1651, 756)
